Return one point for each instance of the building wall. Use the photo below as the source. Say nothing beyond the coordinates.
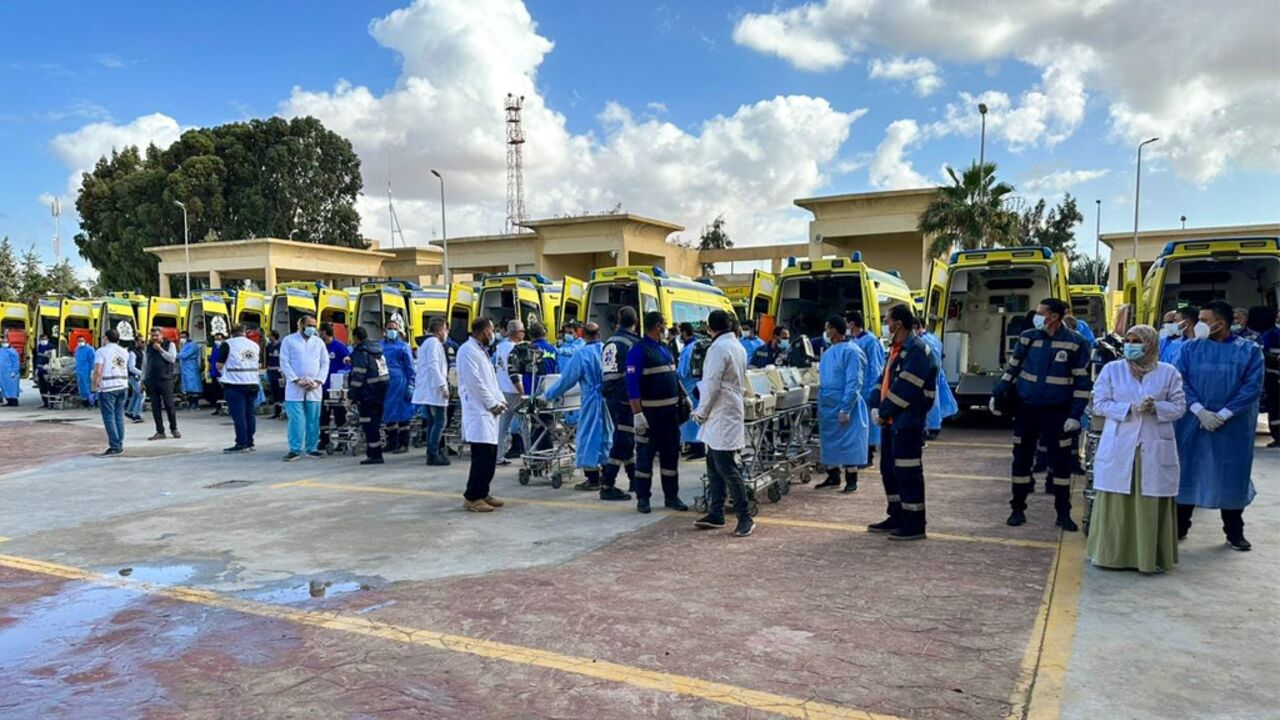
(904, 252)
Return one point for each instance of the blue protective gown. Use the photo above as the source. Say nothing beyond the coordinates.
(684, 368)
(841, 377)
(85, 355)
(945, 405)
(594, 436)
(874, 351)
(1216, 466)
(189, 365)
(398, 407)
(563, 352)
(10, 365)
(1169, 351)
(750, 344)
(1085, 331)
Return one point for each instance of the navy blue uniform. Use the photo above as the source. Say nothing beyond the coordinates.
(913, 378)
(765, 355)
(1050, 374)
(274, 379)
(622, 454)
(368, 389)
(651, 379)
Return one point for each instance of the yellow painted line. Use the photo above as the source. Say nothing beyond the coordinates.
(516, 654)
(628, 508)
(291, 483)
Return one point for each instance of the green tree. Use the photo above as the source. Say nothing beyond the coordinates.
(61, 280)
(1087, 271)
(262, 178)
(31, 277)
(714, 237)
(1054, 229)
(969, 213)
(10, 285)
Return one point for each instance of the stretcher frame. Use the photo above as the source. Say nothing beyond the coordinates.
(541, 422)
(778, 452)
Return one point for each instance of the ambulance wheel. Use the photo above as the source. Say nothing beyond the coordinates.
(524, 476)
(557, 479)
(753, 508)
(700, 504)
(774, 493)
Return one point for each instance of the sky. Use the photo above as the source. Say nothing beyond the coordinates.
(678, 111)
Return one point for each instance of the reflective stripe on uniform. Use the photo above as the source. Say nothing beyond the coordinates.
(365, 419)
(375, 444)
(1015, 361)
(893, 498)
(1037, 343)
(1062, 482)
(1017, 439)
(1080, 371)
(1062, 345)
(1082, 394)
(898, 401)
(614, 376)
(930, 393)
(1024, 340)
(1022, 479)
(1006, 377)
(625, 428)
(643, 475)
(913, 507)
(906, 462)
(1064, 443)
(668, 402)
(1029, 377)
(912, 378)
(1058, 380)
(619, 462)
(668, 473)
(659, 370)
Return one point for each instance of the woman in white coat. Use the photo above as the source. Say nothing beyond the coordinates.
(1135, 468)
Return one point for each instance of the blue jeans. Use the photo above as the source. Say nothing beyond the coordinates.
(134, 407)
(111, 404)
(240, 404)
(304, 425)
(434, 421)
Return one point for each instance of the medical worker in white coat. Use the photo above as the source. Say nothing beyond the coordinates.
(481, 405)
(431, 388)
(1135, 468)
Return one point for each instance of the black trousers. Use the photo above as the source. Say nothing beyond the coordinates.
(722, 472)
(661, 443)
(161, 393)
(1042, 424)
(484, 460)
(371, 423)
(42, 382)
(1232, 521)
(276, 382)
(902, 472)
(337, 415)
(623, 453)
(1271, 402)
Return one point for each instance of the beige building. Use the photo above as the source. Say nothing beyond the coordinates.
(882, 225)
(1151, 242)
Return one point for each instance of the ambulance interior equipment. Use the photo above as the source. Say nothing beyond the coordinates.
(807, 302)
(1242, 281)
(786, 395)
(501, 305)
(607, 299)
(987, 309)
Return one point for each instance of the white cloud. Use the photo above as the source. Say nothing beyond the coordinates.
(80, 150)
(922, 71)
(890, 169)
(1061, 181)
(110, 60)
(1202, 76)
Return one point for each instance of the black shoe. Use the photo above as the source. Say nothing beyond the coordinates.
(291, 457)
(642, 507)
(110, 452)
(315, 454)
(746, 526)
(850, 487)
(400, 450)
(830, 482)
(885, 526)
(613, 493)
(1274, 444)
(588, 486)
(372, 461)
(696, 455)
(1239, 543)
(1016, 518)
(513, 454)
(903, 533)
(235, 449)
(932, 434)
(676, 504)
(706, 522)
(1067, 524)
(504, 462)
(438, 460)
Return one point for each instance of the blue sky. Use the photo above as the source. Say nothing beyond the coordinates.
(674, 68)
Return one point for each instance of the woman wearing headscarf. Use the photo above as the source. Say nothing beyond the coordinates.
(1135, 468)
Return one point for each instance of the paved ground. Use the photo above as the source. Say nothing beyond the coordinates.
(178, 582)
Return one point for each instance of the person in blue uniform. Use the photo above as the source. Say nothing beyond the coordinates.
(44, 351)
(1048, 375)
(274, 379)
(613, 365)
(945, 405)
(397, 409)
(10, 366)
(539, 438)
(749, 341)
(1270, 341)
(842, 409)
(594, 432)
(689, 430)
(1188, 318)
(569, 343)
(900, 406)
(332, 418)
(368, 390)
(85, 357)
(1081, 328)
(655, 396)
(189, 367)
(871, 347)
(1222, 379)
(773, 352)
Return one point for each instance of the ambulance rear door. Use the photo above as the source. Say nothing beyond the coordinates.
(573, 298)
(762, 303)
(460, 309)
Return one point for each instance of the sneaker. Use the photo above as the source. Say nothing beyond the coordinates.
(372, 461)
(1067, 524)
(1239, 543)
(108, 452)
(613, 493)
(236, 449)
(676, 504)
(706, 522)
(503, 462)
(315, 454)
(493, 501)
(175, 435)
(291, 457)
(884, 526)
(587, 486)
(157, 436)
(1016, 518)
(642, 506)
(137, 419)
(1274, 444)
(476, 506)
(746, 526)
(903, 533)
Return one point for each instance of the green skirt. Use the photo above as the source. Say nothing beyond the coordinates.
(1134, 531)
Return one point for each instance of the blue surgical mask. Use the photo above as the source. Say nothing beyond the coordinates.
(309, 331)
(568, 337)
(1134, 351)
(1038, 321)
(393, 334)
(784, 344)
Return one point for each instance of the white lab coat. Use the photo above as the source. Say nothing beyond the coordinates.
(431, 380)
(306, 359)
(478, 390)
(720, 404)
(1116, 397)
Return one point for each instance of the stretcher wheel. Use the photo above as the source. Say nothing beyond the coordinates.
(806, 474)
(753, 508)
(785, 485)
(524, 476)
(557, 479)
(700, 504)
(328, 450)
(774, 493)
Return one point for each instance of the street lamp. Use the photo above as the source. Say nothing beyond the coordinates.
(444, 229)
(186, 242)
(1184, 222)
(1097, 244)
(1137, 194)
(982, 171)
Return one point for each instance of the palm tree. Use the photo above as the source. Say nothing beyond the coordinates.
(970, 213)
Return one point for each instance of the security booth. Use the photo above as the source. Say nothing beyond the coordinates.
(15, 326)
(1242, 271)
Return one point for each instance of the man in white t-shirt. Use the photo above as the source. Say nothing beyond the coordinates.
(111, 384)
(508, 423)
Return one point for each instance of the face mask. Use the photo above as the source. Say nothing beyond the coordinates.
(1235, 328)
(885, 331)
(393, 334)
(1201, 330)
(568, 337)
(4, 345)
(1038, 321)
(309, 331)
(1170, 329)
(746, 333)
(1134, 351)
(493, 340)
(784, 344)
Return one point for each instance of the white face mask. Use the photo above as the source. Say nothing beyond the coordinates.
(1201, 330)
(1038, 321)
(1170, 329)
(885, 331)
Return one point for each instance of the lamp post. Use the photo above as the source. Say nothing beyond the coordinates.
(1184, 222)
(444, 228)
(1097, 244)
(186, 242)
(982, 173)
(1137, 194)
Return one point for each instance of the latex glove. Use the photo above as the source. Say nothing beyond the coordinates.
(641, 424)
(875, 416)
(1148, 405)
(1209, 420)
(844, 418)
(1070, 426)
(699, 419)
(991, 405)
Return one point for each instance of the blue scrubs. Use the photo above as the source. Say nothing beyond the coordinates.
(1216, 466)
(751, 344)
(840, 383)
(85, 356)
(189, 363)
(689, 430)
(945, 405)
(563, 353)
(1169, 351)
(398, 407)
(874, 351)
(10, 365)
(594, 436)
(1082, 327)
